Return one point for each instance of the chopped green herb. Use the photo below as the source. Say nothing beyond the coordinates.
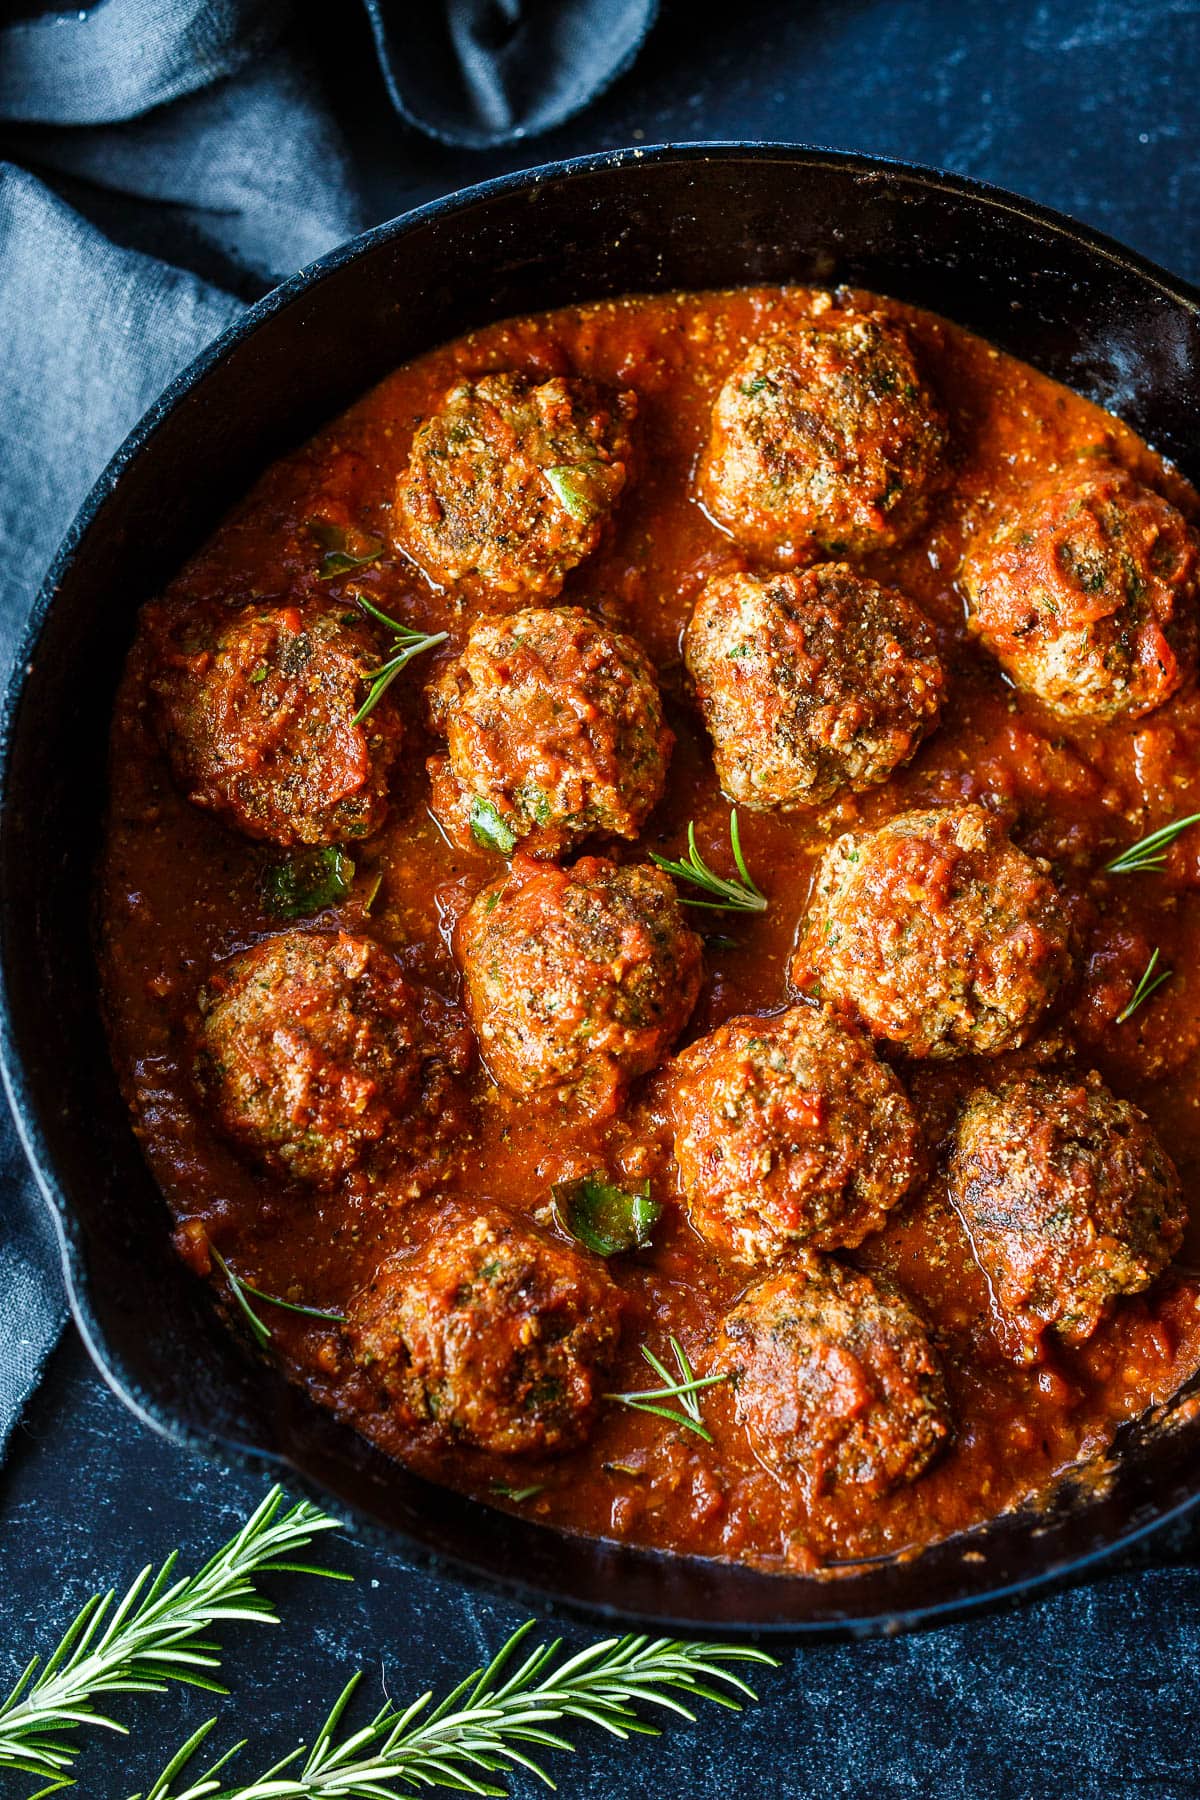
(732, 895)
(490, 829)
(571, 485)
(1150, 852)
(405, 645)
(603, 1217)
(307, 882)
(1148, 985)
(344, 550)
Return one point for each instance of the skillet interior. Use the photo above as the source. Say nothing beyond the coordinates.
(1074, 306)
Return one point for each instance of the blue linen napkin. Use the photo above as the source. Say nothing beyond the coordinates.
(209, 113)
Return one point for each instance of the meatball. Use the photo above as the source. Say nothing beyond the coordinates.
(835, 1378)
(554, 729)
(257, 713)
(511, 484)
(577, 979)
(1068, 1199)
(495, 1333)
(789, 1130)
(810, 683)
(824, 438)
(937, 932)
(311, 1049)
(1086, 594)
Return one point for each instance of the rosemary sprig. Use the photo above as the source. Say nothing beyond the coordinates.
(156, 1633)
(1149, 983)
(684, 1390)
(489, 1725)
(405, 645)
(1150, 852)
(241, 1290)
(732, 895)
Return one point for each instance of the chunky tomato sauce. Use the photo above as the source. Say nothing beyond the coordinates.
(180, 891)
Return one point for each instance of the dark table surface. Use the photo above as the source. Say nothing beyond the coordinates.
(1087, 107)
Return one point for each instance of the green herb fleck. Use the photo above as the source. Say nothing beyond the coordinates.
(572, 486)
(344, 550)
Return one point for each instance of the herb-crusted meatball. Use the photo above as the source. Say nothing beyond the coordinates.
(511, 483)
(577, 979)
(313, 1046)
(495, 1333)
(835, 1378)
(554, 729)
(824, 438)
(942, 936)
(1086, 594)
(1068, 1198)
(257, 715)
(810, 683)
(789, 1130)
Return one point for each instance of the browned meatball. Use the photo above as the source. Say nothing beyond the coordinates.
(313, 1047)
(577, 979)
(1068, 1199)
(789, 1130)
(835, 1379)
(257, 715)
(810, 683)
(511, 484)
(554, 729)
(1086, 593)
(495, 1333)
(942, 936)
(824, 438)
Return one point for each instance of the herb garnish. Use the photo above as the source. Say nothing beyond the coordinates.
(405, 645)
(488, 1725)
(684, 1391)
(490, 829)
(1150, 852)
(1146, 986)
(339, 558)
(571, 485)
(158, 1632)
(603, 1217)
(240, 1289)
(516, 1494)
(307, 882)
(733, 895)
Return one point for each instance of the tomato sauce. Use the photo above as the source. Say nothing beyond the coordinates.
(179, 891)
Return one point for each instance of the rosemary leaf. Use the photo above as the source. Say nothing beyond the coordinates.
(684, 1392)
(406, 644)
(1150, 852)
(487, 1726)
(1152, 979)
(241, 1291)
(740, 895)
(156, 1633)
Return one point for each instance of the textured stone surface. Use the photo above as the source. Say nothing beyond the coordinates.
(1088, 107)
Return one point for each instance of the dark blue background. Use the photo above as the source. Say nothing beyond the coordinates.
(1090, 108)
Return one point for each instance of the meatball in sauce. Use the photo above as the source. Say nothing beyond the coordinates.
(789, 1190)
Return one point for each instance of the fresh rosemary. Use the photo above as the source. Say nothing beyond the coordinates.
(156, 1633)
(1149, 983)
(1150, 852)
(732, 895)
(405, 645)
(241, 1290)
(490, 1724)
(685, 1391)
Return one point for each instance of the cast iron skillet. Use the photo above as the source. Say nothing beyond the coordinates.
(1068, 301)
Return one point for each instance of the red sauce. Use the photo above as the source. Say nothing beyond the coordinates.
(180, 891)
